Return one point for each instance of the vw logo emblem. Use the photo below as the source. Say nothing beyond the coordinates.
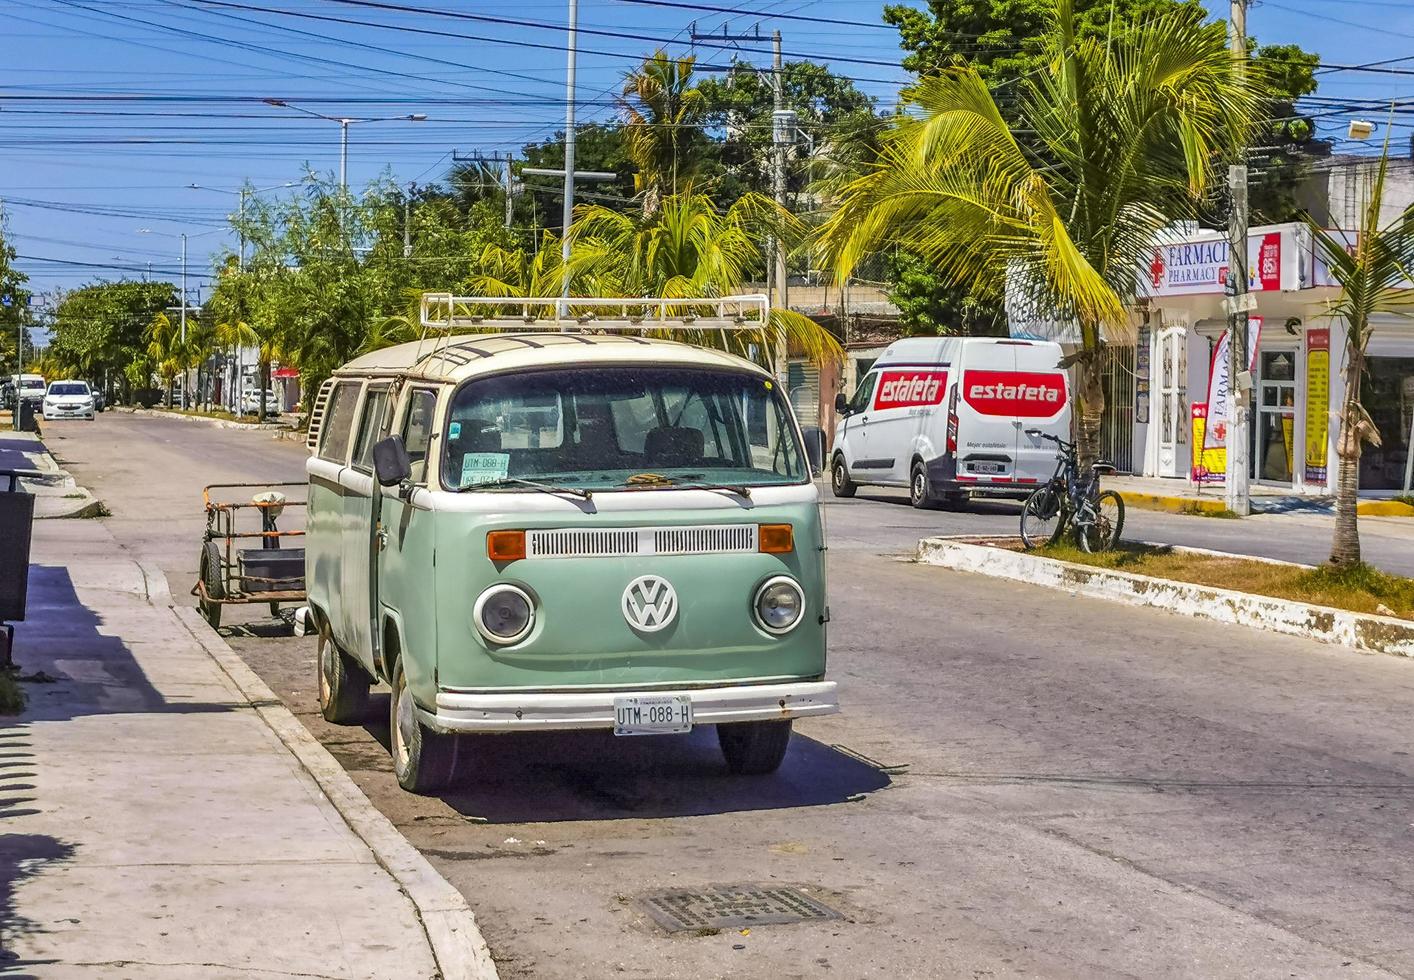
(650, 603)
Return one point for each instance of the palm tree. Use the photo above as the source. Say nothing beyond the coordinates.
(169, 350)
(1121, 139)
(1373, 271)
(662, 108)
(688, 247)
(232, 335)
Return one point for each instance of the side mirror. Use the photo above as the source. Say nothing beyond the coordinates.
(814, 448)
(390, 461)
(841, 404)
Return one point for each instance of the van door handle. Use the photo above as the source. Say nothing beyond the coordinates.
(380, 536)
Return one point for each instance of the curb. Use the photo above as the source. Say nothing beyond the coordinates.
(1358, 631)
(1383, 508)
(457, 944)
(69, 500)
(1172, 505)
(217, 423)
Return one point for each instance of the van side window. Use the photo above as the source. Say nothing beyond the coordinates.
(864, 394)
(338, 422)
(371, 426)
(418, 429)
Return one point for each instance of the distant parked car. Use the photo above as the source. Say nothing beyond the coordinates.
(100, 401)
(30, 387)
(68, 400)
(250, 402)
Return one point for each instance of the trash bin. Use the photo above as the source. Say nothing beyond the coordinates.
(25, 417)
(16, 524)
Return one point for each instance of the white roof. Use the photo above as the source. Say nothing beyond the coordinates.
(455, 358)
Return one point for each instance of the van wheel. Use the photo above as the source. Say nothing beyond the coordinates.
(343, 686)
(423, 760)
(840, 483)
(753, 748)
(918, 492)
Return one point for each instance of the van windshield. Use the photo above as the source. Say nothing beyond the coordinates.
(621, 427)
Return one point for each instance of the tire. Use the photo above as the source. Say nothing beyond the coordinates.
(423, 760)
(840, 483)
(215, 583)
(754, 748)
(1109, 524)
(1042, 518)
(343, 686)
(919, 495)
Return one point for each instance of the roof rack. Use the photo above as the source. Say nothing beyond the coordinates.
(443, 311)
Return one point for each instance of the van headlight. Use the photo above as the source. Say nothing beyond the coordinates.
(504, 614)
(779, 604)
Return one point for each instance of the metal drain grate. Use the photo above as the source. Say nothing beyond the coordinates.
(734, 906)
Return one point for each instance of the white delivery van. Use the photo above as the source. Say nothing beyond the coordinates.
(947, 415)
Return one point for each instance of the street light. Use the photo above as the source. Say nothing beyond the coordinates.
(183, 236)
(344, 123)
(243, 193)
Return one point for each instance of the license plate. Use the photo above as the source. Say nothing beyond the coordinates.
(988, 467)
(656, 714)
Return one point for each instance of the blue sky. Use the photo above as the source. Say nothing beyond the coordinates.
(83, 168)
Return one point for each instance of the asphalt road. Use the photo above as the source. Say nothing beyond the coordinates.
(1021, 782)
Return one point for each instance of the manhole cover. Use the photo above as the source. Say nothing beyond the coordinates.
(733, 906)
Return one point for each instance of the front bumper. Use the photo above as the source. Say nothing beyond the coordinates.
(66, 412)
(469, 711)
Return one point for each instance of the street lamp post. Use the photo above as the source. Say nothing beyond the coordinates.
(243, 193)
(344, 123)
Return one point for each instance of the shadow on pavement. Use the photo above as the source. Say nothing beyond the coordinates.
(1004, 506)
(72, 667)
(546, 777)
(23, 856)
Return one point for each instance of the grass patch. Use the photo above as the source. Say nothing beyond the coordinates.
(1405, 500)
(1360, 588)
(1196, 509)
(12, 696)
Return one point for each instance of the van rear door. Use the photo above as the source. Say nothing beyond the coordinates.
(1043, 402)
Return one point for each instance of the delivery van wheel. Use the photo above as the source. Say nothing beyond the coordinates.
(918, 493)
(343, 686)
(840, 483)
(423, 760)
(754, 748)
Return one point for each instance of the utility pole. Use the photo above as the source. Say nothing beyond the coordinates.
(1239, 499)
(779, 176)
(569, 159)
(407, 222)
(507, 176)
(184, 315)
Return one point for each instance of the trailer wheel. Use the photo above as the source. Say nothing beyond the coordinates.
(213, 582)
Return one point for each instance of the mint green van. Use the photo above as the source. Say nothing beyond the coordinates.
(551, 530)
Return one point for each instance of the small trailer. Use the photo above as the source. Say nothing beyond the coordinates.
(231, 573)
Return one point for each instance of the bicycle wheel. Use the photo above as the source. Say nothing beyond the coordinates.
(1103, 534)
(1042, 518)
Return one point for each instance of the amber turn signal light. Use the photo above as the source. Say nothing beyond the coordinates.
(776, 539)
(505, 545)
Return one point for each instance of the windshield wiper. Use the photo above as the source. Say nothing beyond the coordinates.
(511, 481)
(668, 483)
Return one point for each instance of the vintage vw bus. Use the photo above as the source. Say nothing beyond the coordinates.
(564, 530)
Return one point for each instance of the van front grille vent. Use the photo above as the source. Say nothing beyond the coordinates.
(715, 539)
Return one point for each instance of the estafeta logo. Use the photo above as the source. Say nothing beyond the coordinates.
(650, 603)
(1015, 393)
(910, 389)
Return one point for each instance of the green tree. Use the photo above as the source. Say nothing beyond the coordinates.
(689, 247)
(597, 146)
(14, 305)
(832, 112)
(1373, 265)
(1129, 130)
(662, 110)
(1004, 40)
(100, 331)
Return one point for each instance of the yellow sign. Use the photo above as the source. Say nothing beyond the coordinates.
(1318, 396)
(1209, 465)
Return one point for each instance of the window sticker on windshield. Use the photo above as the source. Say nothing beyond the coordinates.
(484, 468)
(454, 429)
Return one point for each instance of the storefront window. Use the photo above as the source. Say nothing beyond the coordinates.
(1388, 394)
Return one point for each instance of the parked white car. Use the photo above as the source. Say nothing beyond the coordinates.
(250, 402)
(68, 400)
(29, 387)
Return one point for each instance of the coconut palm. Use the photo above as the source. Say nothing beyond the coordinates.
(689, 247)
(661, 109)
(1120, 139)
(1373, 267)
(171, 353)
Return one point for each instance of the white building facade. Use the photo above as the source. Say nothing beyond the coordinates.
(1160, 385)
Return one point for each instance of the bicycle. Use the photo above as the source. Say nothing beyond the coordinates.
(1069, 500)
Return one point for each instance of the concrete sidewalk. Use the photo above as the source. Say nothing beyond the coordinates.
(1176, 496)
(56, 493)
(158, 823)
